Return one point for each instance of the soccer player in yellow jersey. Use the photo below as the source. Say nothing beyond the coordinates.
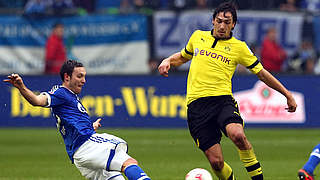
(215, 55)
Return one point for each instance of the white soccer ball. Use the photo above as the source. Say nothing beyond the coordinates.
(198, 174)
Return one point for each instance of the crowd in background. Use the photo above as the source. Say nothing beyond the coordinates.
(147, 6)
(305, 59)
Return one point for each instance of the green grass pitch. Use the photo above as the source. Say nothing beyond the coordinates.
(165, 154)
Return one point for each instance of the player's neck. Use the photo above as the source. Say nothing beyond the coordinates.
(64, 85)
(224, 38)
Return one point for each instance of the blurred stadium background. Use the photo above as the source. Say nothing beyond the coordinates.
(121, 42)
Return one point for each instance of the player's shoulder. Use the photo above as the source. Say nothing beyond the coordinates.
(58, 90)
(240, 46)
(54, 89)
(238, 43)
(200, 34)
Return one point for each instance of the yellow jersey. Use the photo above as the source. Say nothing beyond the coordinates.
(213, 64)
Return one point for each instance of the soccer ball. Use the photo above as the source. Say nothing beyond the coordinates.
(198, 174)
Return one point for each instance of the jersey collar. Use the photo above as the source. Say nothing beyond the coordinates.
(68, 89)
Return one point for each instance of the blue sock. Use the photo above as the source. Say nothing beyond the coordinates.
(134, 172)
(313, 161)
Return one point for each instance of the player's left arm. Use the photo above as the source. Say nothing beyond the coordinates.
(96, 124)
(272, 82)
(248, 59)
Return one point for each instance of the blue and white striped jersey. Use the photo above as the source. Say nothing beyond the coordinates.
(72, 119)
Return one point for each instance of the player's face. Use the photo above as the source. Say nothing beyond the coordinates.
(223, 25)
(77, 80)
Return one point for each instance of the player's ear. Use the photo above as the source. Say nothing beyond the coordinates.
(66, 77)
(233, 25)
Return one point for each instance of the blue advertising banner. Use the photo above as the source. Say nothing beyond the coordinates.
(316, 29)
(104, 44)
(154, 101)
(83, 30)
(172, 30)
(122, 101)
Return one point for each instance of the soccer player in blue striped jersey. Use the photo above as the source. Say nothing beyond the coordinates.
(97, 156)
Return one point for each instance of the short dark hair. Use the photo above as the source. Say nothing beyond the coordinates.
(227, 7)
(68, 68)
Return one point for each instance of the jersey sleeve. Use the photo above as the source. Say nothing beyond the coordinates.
(249, 60)
(55, 97)
(187, 52)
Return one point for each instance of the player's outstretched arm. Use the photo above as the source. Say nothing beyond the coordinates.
(33, 99)
(174, 60)
(96, 124)
(272, 82)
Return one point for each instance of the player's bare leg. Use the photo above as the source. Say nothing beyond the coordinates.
(236, 134)
(220, 168)
(133, 171)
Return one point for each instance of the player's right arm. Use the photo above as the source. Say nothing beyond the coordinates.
(174, 60)
(33, 99)
(178, 58)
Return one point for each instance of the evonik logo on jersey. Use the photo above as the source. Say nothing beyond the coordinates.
(213, 55)
(261, 104)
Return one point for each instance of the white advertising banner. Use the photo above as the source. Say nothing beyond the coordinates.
(262, 104)
(129, 58)
(124, 58)
(18, 59)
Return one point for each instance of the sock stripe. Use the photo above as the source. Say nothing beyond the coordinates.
(253, 167)
(225, 173)
(144, 177)
(315, 154)
(255, 172)
(258, 177)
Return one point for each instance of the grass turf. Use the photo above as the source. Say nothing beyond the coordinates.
(165, 154)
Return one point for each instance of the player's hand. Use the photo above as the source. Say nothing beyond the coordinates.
(15, 80)
(164, 67)
(292, 105)
(96, 124)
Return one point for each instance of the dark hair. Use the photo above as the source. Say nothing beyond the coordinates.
(226, 7)
(68, 67)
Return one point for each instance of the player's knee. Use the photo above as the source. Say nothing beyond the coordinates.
(238, 138)
(129, 162)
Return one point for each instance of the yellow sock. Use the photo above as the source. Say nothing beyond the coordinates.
(225, 173)
(251, 164)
